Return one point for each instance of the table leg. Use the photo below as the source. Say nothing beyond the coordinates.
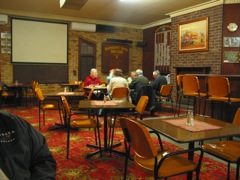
(190, 157)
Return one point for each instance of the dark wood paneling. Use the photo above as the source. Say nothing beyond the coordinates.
(46, 73)
(230, 15)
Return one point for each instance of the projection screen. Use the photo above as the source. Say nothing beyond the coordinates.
(39, 41)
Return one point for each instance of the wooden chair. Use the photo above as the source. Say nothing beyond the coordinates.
(218, 90)
(190, 88)
(120, 93)
(178, 81)
(30, 92)
(5, 94)
(160, 163)
(228, 151)
(79, 122)
(166, 95)
(45, 104)
(138, 112)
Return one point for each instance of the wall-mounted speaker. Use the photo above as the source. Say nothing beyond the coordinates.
(141, 44)
(119, 41)
(76, 26)
(105, 28)
(3, 19)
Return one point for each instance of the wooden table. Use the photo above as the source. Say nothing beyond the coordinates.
(180, 135)
(106, 108)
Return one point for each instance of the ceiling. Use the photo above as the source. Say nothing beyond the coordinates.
(107, 12)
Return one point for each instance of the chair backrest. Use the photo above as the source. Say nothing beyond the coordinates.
(39, 94)
(34, 84)
(120, 92)
(90, 94)
(218, 86)
(81, 86)
(142, 104)
(166, 90)
(66, 105)
(138, 138)
(190, 83)
(236, 119)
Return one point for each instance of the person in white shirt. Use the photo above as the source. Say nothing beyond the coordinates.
(117, 81)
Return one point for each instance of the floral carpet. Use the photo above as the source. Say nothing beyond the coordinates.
(105, 167)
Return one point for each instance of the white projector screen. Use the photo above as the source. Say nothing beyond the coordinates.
(39, 42)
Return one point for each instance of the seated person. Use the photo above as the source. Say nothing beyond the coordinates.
(117, 81)
(133, 75)
(24, 153)
(136, 83)
(109, 77)
(93, 80)
(158, 81)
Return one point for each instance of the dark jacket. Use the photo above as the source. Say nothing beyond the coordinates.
(158, 82)
(138, 82)
(24, 153)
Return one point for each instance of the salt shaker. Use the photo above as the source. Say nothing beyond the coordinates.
(188, 117)
(191, 119)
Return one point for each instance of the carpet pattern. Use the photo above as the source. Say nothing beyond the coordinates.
(96, 167)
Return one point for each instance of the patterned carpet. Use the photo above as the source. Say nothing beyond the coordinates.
(96, 167)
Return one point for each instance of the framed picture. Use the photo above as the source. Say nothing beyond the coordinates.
(193, 35)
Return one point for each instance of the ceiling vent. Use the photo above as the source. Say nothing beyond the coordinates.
(72, 4)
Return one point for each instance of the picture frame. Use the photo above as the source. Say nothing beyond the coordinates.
(193, 35)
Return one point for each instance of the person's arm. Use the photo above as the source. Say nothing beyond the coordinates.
(132, 85)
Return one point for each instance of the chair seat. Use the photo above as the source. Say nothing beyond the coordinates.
(224, 99)
(229, 150)
(83, 123)
(180, 164)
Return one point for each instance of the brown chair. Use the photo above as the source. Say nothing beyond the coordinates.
(79, 122)
(45, 104)
(218, 90)
(190, 88)
(139, 110)
(30, 92)
(5, 94)
(120, 93)
(80, 87)
(160, 163)
(228, 151)
(178, 81)
(165, 95)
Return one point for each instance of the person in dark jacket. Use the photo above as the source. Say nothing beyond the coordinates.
(24, 153)
(137, 83)
(158, 81)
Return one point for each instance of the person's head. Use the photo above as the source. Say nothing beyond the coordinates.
(156, 73)
(94, 73)
(139, 72)
(117, 72)
(133, 74)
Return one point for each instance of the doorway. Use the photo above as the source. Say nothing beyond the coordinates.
(87, 58)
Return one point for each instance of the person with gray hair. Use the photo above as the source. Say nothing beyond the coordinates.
(158, 81)
(137, 83)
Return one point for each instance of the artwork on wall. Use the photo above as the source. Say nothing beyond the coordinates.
(193, 35)
(5, 43)
(231, 57)
(231, 41)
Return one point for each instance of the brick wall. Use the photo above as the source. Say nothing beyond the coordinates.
(211, 58)
(135, 53)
